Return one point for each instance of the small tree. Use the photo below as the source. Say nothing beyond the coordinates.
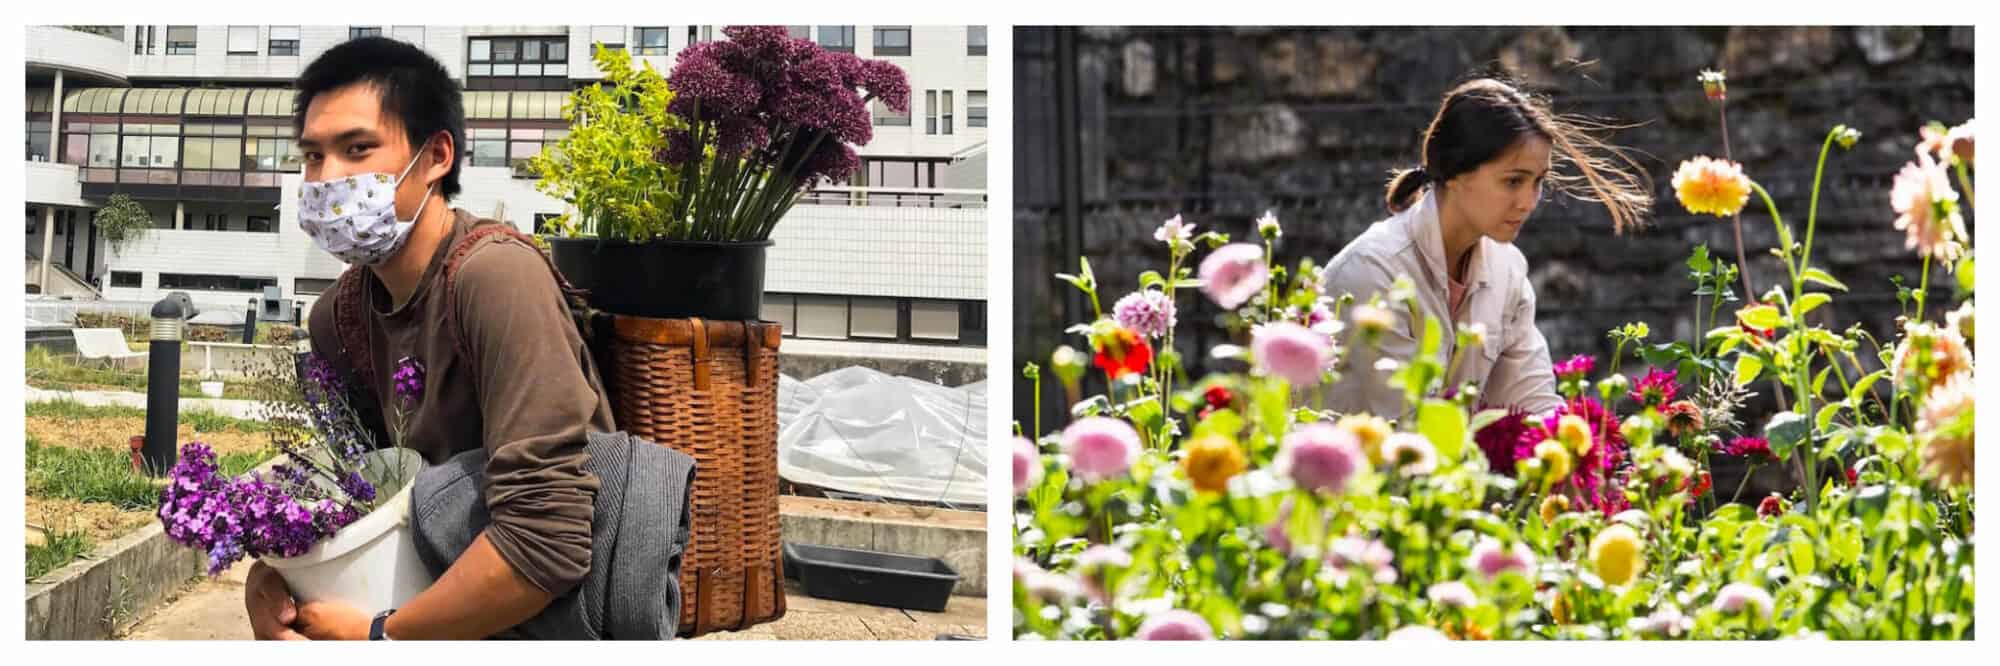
(122, 220)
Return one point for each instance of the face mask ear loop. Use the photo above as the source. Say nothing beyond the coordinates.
(427, 191)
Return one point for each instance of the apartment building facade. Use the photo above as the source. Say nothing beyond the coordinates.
(194, 123)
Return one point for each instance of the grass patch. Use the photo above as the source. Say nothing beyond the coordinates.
(106, 475)
(61, 548)
(64, 372)
(201, 419)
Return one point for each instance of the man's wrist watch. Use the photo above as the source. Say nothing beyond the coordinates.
(378, 630)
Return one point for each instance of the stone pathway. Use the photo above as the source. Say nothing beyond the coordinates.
(242, 409)
(213, 610)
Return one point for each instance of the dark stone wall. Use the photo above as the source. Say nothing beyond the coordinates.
(1221, 124)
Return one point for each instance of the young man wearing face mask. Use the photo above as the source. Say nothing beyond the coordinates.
(381, 125)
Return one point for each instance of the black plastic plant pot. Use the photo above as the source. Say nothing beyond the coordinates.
(667, 279)
(870, 577)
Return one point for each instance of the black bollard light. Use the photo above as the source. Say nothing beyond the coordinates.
(250, 323)
(163, 383)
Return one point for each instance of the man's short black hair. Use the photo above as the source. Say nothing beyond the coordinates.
(415, 88)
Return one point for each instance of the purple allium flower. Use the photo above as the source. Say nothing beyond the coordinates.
(1756, 448)
(1656, 389)
(1577, 367)
(1027, 466)
(1100, 448)
(409, 380)
(1175, 625)
(1233, 273)
(1147, 312)
(1286, 349)
(1320, 457)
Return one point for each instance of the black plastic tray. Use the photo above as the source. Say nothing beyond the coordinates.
(870, 577)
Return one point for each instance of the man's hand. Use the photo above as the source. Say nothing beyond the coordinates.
(270, 605)
(332, 621)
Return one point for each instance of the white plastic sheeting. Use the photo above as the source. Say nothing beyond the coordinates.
(863, 431)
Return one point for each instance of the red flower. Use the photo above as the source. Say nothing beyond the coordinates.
(1771, 506)
(1123, 352)
(1751, 447)
(1700, 482)
(1853, 477)
(1218, 396)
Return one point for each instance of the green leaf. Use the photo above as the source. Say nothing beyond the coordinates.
(1224, 422)
(1819, 382)
(1820, 277)
(1762, 317)
(1802, 555)
(1273, 398)
(1444, 424)
(1146, 414)
(1826, 414)
(1964, 273)
(1785, 431)
(1485, 418)
(1433, 336)
(1808, 302)
(1747, 368)
(1150, 279)
(1698, 260)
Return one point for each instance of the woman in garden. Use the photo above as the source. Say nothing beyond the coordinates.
(1489, 155)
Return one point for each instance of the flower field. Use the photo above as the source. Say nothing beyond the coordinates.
(1235, 506)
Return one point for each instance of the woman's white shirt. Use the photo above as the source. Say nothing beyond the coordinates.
(1511, 369)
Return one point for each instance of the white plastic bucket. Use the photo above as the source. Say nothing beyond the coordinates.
(371, 564)
(212, 389)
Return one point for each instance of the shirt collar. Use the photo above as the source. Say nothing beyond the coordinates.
(1428, 234)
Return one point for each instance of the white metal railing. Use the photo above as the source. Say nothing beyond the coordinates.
(898, 197)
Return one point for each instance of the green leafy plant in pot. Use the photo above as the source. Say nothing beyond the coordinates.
(677, 183)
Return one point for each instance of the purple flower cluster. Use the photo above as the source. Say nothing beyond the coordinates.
(786, 103)
(409, 380)
(229, 518)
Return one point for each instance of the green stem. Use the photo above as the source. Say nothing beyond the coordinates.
(1924, 287)
(1964, 181)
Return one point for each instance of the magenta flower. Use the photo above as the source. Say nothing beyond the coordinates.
(1147, 312)
(1027, 466)
(1100, 448)
(1755, 448)
(1175, 625)
(1577, 367)
(1491, 559)
(1233, 273)
(1320, 457)
(1288, 350)
(1504, 440)
(1656, 389)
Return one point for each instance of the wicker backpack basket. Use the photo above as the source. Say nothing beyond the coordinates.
(705, 388)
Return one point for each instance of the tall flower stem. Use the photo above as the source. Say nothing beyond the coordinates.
(1736, 220)
(1964, 180)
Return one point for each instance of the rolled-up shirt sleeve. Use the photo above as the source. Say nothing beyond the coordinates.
(536, 406)
(1522, 375)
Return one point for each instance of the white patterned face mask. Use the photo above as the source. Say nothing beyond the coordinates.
(354, 218)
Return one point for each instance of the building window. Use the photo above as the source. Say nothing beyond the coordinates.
(887, 117)
(497, 58)
(242, 40)
(38, 141)
(267, 148)
(780, 308)
(937, 112)
(314, 286)
(258, 224)
(934, 320)
(215, 282)
(90, 144)
(545, 222)
(900, 173)
(144, 39)
(975, 108)
(524, 143)
(180, 40)
(700, 33)
(892, 40)
(975, 40)
(822, 317)
(151, 146)
(489, 146)
(653, 41)
(212, 145)
(284, 40)
(799, 31)
(872, 318)
(125, 279)
(357, 32)
(413, 34)
(214, 222)
(837, 38)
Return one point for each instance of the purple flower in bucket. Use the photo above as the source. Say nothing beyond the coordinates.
(358, 488)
